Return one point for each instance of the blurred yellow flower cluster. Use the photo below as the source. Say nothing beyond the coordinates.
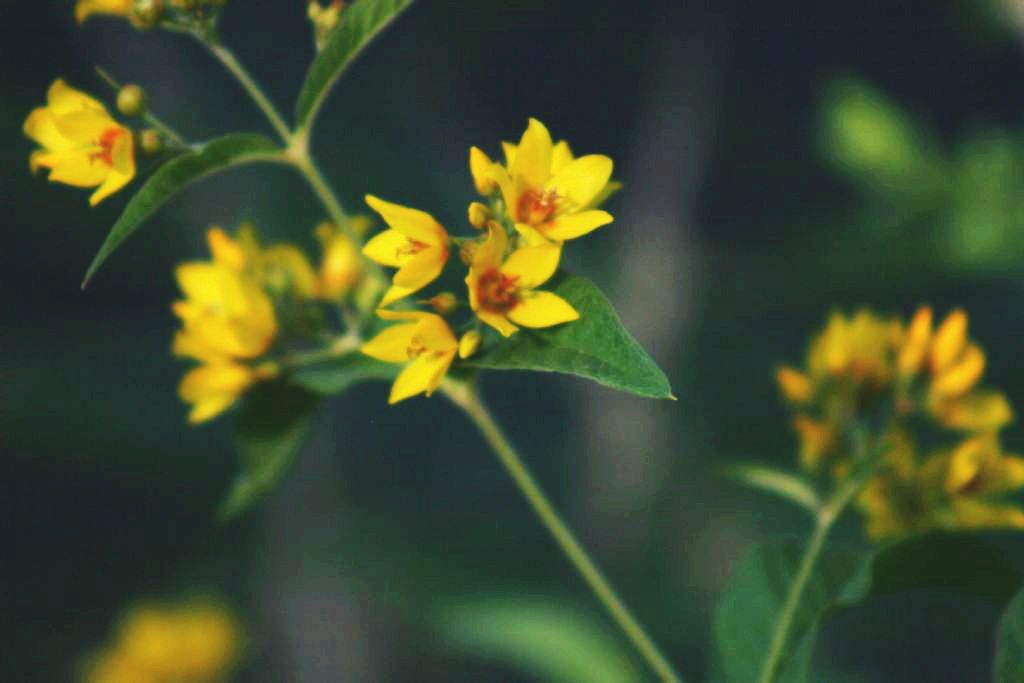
(229, 314)
(539, 198)
(195, 642)
(915, 387)
(81, 144)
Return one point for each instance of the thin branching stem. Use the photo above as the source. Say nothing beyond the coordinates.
(466, 397)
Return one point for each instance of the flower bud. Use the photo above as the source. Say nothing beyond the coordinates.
(131, 100)
(444, 303)
(146, 13)
(479, 214)
(469, 343)
(150, 141)
(467, 250)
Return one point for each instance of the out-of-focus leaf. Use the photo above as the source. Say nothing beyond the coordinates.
(748, 612)
(548, 640)
(217, 155)
(1009, 666)
(780, 482)
(337, 375)
(359, 24)
(270, 430)
(596, 346)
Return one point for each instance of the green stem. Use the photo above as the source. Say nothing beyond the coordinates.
(466, 397)
(231, 63)
(825, 519)
(149, 117)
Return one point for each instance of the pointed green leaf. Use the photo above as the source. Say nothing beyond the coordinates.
(337, 375)
(551, 642)
(270, 430)
(359, 24)
(596, 346)
(748, 611)
(1009, 667)
(217, 155)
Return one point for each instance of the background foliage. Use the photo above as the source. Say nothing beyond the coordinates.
(740, 225)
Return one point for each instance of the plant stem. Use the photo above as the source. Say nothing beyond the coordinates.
(825, 519)
(466, 397)
(231, 63)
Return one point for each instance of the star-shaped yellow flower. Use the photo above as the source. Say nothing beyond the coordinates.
(548, 194)
(425, 342)
(82, 145)
(416, 244)
(502, 291)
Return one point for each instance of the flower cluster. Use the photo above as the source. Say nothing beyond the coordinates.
(541, 197)
(247, 301)
(910, 394)
(195, 642)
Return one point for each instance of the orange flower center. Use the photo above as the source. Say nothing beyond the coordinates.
(411, 247)
(106, 143)
(536, 206)
(497, 292)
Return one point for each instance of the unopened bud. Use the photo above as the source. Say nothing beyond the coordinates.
(131, 100)
(444, 303)
(467, 251)
(146, 13)
(479, 214)
(150, 141)
(469, 343)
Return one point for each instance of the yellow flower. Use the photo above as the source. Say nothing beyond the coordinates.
(548, 194)
(502, 291)
(82, 145)
(279, 268)
(416, 244)
(340, 267)
(190, 643)
(227, 319)
(425, 341)
(795, 385)
(817, 441)
(858, 348)
(85, 8)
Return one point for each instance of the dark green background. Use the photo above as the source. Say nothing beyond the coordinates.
(732, 240)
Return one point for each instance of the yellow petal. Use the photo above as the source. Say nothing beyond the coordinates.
(388, 248)
(507, 186)
(915, 344)
(76, 168)
(491, 253)
(570, 226)
(40, 127)
(960, 377)
(795, 385)
(391, 345)
(62, 99)
(977, 411)
(285, 267)
(542, 309)
(498, 322)
(86, 8)
(225, 250)
(420, 271)
(966, 461)
(434, 334)
(480, 168)
(578, 183)
(509, 150)
(561, 156)
(979, 514)
(949, 341)
(532, 163)
(413, 223)
(533, 265)
(213, 388)
(111, 184)
(423, 375)
(394, 293)
(1004, 474)
(531, 236)
(386, 314)
(85, 126)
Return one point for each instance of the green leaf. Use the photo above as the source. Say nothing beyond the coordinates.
(337, 375)
(1009, 666)
(359, 25)
(217, 155)
(270, 430)
(780, 482)
(748, 612)
(596, 346)
(549, 641)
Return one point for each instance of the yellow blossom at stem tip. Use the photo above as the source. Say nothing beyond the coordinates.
(81, 144)
(424, 341)
(547, 193)
(415, 243)
(502, 291)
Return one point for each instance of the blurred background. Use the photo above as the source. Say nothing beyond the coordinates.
(778, 161)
